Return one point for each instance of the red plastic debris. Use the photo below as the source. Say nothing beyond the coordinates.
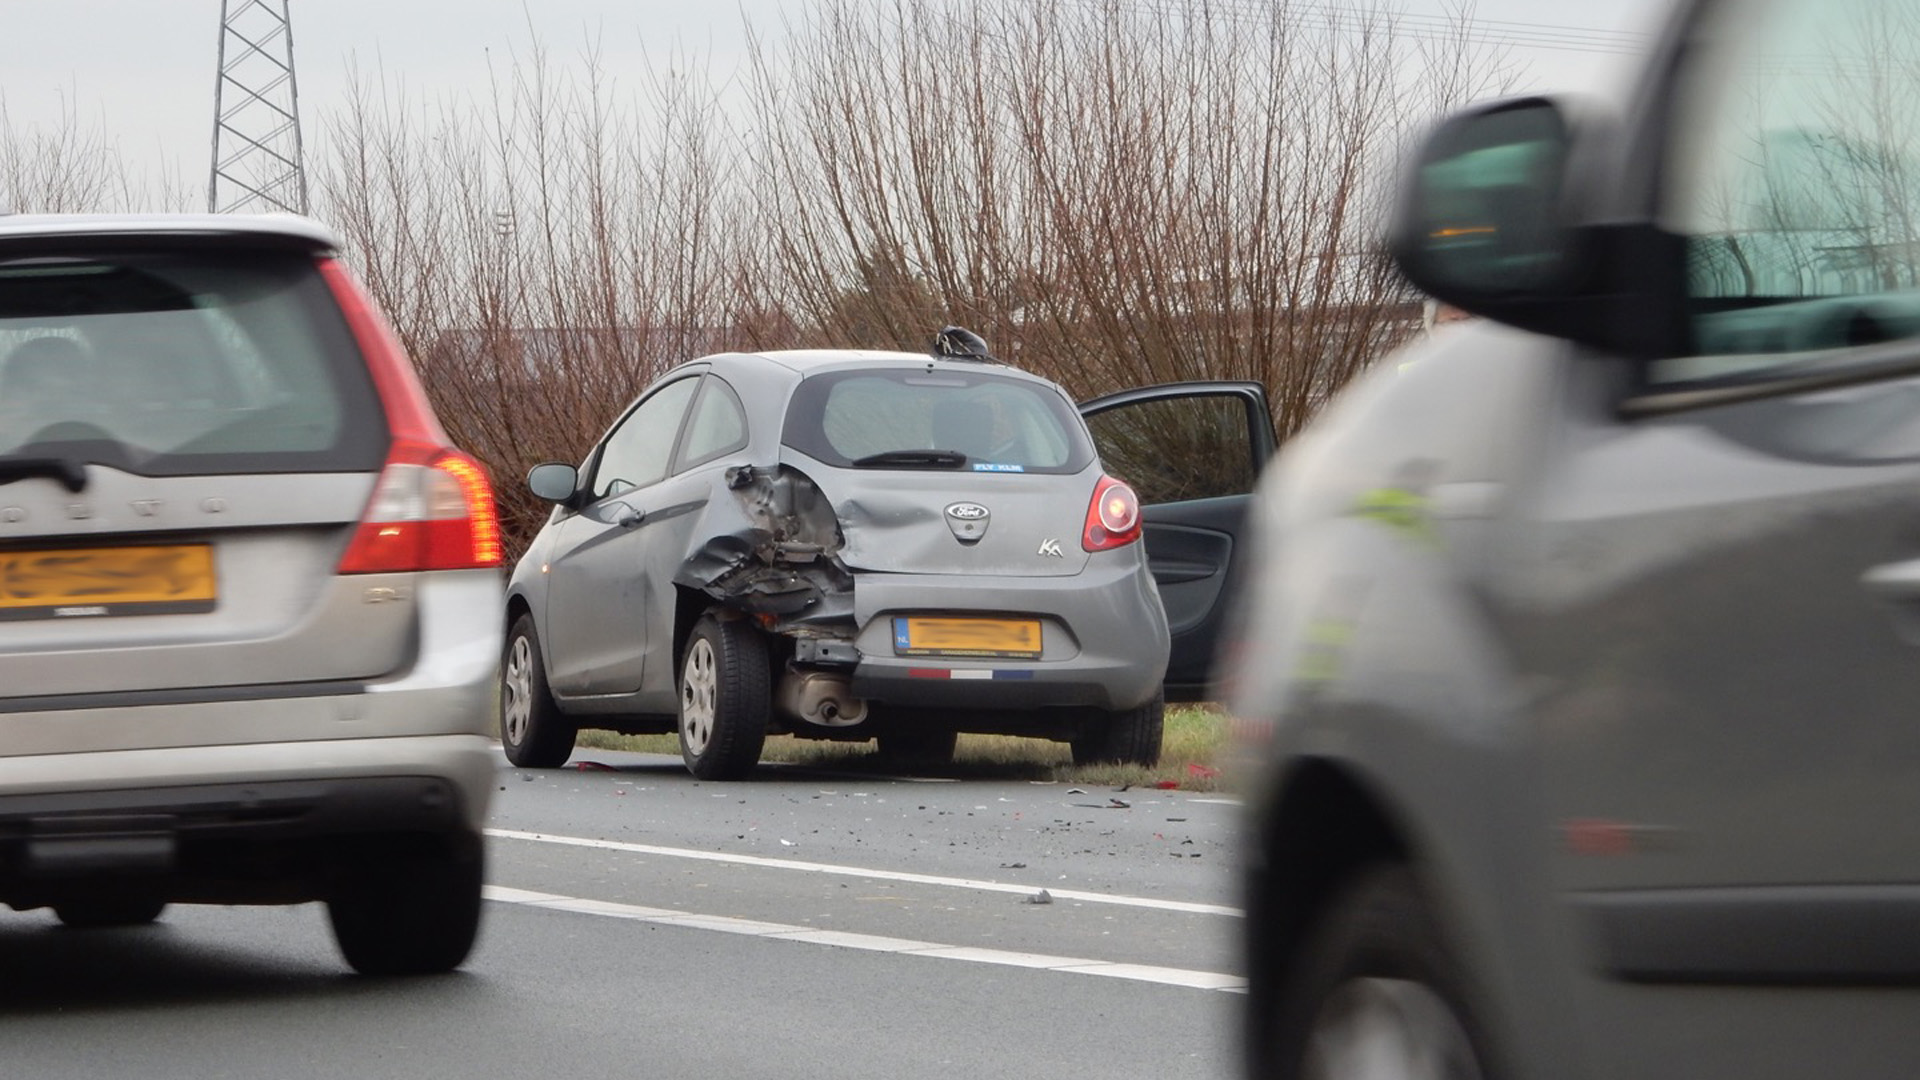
(1204, 772)
(1167, 785)
(592, 766)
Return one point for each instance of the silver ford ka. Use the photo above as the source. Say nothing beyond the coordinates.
(874, 545)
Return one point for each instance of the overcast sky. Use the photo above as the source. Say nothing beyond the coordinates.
(143, 71)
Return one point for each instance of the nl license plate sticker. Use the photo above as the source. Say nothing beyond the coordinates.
(935, 636)
(168, 579)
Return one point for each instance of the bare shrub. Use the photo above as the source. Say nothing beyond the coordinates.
(1114, 192)
(544, 252)
(74, 166)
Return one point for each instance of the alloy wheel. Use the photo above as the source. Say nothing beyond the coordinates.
(1388, 1029)
(517, 709)
(699, 682)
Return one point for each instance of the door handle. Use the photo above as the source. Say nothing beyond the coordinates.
(630, 518)
(1894, 581)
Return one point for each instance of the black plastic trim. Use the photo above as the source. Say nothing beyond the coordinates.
(191, 695)
(275, 842)
(1810, 934)
(304, 807)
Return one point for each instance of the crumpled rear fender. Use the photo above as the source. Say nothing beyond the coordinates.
(770, 548)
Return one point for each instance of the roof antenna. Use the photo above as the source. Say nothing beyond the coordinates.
(959, 343)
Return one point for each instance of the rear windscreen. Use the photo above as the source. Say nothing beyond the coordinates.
(174, 363)
(997, 424)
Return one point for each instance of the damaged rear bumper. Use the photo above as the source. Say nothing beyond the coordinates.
(1104, 639)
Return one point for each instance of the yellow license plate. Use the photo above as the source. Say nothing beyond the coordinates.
(925, 636)
(162, 579)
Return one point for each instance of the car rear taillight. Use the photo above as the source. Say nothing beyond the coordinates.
(433, 508)
(1113, 518)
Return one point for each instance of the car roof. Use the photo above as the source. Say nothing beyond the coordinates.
(806, 362)
(277, 230)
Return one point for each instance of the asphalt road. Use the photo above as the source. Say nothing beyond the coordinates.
(802, 924)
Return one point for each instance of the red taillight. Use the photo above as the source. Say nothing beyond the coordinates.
(1113, 518)
(432, 510)
(433, 507)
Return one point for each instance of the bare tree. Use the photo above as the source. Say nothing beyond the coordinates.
(1115, 192)
(74, 166)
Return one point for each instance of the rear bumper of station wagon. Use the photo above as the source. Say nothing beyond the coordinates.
(175, 825)
(256, 793)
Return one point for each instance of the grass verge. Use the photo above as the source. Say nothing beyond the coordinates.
(1190, 755)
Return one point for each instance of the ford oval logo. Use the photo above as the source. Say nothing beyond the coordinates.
(968, 521)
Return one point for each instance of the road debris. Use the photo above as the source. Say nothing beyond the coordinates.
(1041, 897)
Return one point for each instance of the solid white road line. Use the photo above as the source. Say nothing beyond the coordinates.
(1198, 980)
(1185, 906)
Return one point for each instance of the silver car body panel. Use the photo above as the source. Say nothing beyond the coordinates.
(1104, 645)
(275, 229)
(772, 530)
(1546, 789)
(282, 615)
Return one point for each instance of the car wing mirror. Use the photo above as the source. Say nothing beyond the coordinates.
(554, 481)
(1481, 219)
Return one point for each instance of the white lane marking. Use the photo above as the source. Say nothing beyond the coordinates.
(1185, 906)
(1165, 976)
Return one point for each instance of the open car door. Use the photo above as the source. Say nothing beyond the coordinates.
(1192, 451)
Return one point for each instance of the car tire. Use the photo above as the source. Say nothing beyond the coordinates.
(1375, 987)
(104, 912)
(533, 731)
(726, 689)
(1126, 737)
(918, 746)
(411, 914)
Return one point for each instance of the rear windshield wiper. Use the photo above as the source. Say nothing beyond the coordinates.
(72, 474)
(912, 459)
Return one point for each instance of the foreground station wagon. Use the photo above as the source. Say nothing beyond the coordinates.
(868, 545)
(247, 591)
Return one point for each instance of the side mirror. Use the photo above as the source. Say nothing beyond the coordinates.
(554, 481)
(1482, 220)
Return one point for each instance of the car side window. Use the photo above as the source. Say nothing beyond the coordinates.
(718, 426)
(1798, 186)
(1195, 446)
(635, 453)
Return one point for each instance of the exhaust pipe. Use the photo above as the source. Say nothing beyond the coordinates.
(822, 698)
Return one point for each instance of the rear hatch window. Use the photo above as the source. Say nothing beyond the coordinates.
(189, 436)
(176, 364)
(913, 418)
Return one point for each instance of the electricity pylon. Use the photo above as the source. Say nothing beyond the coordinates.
(257, 161)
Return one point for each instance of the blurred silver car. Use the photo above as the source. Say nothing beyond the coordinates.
(859, 545)
(247, 591)
(1583, 644)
